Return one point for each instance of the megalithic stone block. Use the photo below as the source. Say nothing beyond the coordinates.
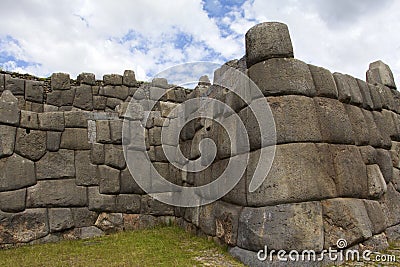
(9, 111)
(380, 73)
(267, 40)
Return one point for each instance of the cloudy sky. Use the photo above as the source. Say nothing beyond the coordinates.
(42, 37)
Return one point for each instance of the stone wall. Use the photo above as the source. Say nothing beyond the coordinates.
(335, 175)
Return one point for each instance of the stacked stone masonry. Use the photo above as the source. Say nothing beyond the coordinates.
(336, 171)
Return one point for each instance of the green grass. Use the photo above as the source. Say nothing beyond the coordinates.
(163, 246)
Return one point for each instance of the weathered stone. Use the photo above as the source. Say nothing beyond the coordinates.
(34, 91)
(375, 137)
(390, 203)
(116, 131)
(110, 222)
(334, 123)
(7, 140)
(375, 96)
(120, 92)
(2, 87)
(295, 118)
(109, 180)
(380, 73)
(86, 78)
(9, 111)
(99, 202)
(86, 173)
(293, 165)
(23, 227)
(83, 97)
(358, 124)
(351, 173)
(366, 95)
(16, 172)
(15, 85)
(114, 156)
(376, 215)
(56, 193)
(287, 227)
(386, 97)
(35, 107)
(75, 138)
(60, 81)
(13, 201)
(128, 78)
(376, 183)
(83, 217)
(152, 206)
(103, 134)
(86, 232)
(99, 102)
(139, 221)
(128, 184)
(30, 144)
(267, 40)
(112, 79)
(51, 121)
(279, 76)
(368, 153)
(160, 82)
(345, 219)
(377, 242)
(97, 154)
(348, 90)
(29, 120)
(60, 219)
(61, 98)
(396, 179)
(128, 203)
(53, 141)
(324, 82)
(227, 222)
(393, 233)
(49, 108)
(58, 164)
(384, 161)
(76, 119)
(112, 103)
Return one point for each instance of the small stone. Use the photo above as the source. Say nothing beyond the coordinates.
(110, 222)
(376, 183)
(100, 202)
(83, 217)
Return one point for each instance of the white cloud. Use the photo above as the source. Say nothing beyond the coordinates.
(108, 37)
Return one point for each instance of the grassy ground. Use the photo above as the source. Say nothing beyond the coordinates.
(164, 246)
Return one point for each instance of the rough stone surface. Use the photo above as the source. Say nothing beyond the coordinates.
(29, 120)
(384, 160)
(358, 124)
(34, 91)
(114, 156)
(76, 119)
(390, 203)
(83, 97)
(112, 79)
(366, 94)
(128, 184)
(60, 219)
(376, 183)
(97, 153)
(345, 218)
(86, 78)
(61, 98)
(83, 217)
(60, 81)
(120, 92)
(30, 144)
(15, 85)
(56, 193)
(267, 40)
(152, 206)
(23, 227)
(288, 226)
(9, 111)
(286, 76)
(13, 201)
(380, 73)
(292, 177)
(53, 141)
(378, 219)
(51, 121)
(58, 164)
(7, 140)
(334, 123)
(75, 138)
(324, 82)
(393, 233)
(86, 172)
(128, 203)
(16, 172)
(109, 179)
(99, 202)
(128, 78)
(110, 222)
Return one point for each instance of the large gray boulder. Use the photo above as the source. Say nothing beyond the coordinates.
(267, 40)
(380, 73)
(30, 144)
(9, 111)
(7, 140)
(58, 164)
(16, 172)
